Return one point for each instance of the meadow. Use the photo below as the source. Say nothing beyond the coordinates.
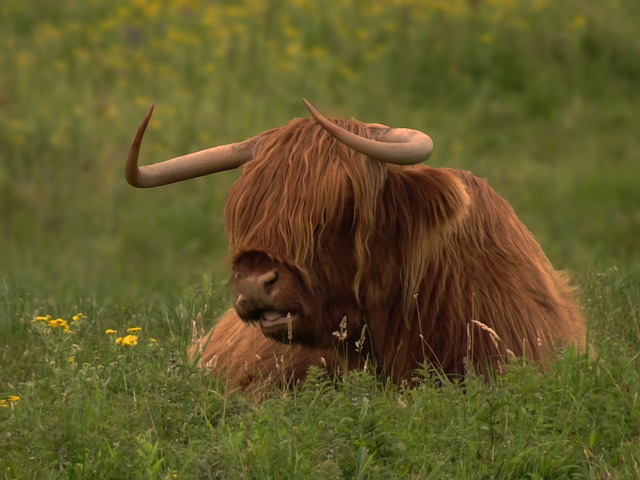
(100, 283)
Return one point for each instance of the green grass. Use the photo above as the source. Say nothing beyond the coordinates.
(89, 408)
(539, 97)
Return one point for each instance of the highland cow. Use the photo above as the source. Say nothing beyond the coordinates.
(338, 235)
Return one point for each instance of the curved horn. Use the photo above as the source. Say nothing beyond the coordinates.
(205, 162)
(401, 146)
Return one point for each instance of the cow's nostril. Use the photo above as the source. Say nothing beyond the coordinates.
(268, 280)
(271, 281)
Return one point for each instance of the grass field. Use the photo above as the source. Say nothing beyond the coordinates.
(539, 97)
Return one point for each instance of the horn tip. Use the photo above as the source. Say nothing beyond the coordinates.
(314, 112)
(307, 104)
(150, 112)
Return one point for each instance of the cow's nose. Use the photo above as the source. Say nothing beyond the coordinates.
(255, 290)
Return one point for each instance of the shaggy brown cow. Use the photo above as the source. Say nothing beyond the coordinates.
(241, 356)
(335, 220)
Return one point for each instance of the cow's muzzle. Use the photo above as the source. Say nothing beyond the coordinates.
(254, 299)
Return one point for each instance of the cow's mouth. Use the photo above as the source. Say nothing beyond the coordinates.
(274, 318)
(268, 318)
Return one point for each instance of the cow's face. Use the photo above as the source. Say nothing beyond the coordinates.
(276, 297)
(299, 221)
(272, 295)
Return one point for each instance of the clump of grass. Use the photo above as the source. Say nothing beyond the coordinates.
(98, 403)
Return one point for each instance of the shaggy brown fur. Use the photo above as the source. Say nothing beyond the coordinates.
(242, 357)
(430, 260)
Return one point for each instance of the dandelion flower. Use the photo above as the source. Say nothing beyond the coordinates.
(128, 341)
(110, 331)
(133, 329)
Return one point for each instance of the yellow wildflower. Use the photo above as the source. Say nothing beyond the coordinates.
(110, 331)
(4, 404)
(578, 22)
(14, 398)
(59, 323)
(142, 101)
(128, 341)
(78, 316)
(41, 318)
(362, 34)
(486, 38)
(133, 329)
(111, 111)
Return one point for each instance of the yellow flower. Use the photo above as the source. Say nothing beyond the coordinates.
(41, 318)
(111, 111)
(128, 341)
(133, 329)
(59, 323)
(142, 101)
(14, 398)
(578, 22)
(78, 316)
(362, 34)
(110, 331)
(4, 404)
(486, 38)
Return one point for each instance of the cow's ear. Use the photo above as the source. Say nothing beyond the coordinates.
(426, 201)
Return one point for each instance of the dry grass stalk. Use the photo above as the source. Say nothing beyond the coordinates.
(495, 338)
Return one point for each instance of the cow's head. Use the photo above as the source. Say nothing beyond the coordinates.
(302, 218)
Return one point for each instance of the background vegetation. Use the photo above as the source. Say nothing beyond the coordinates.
(540, 97)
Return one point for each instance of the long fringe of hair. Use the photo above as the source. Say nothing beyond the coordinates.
(298, 190)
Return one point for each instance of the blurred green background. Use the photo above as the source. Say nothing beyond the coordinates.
(540, 97)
